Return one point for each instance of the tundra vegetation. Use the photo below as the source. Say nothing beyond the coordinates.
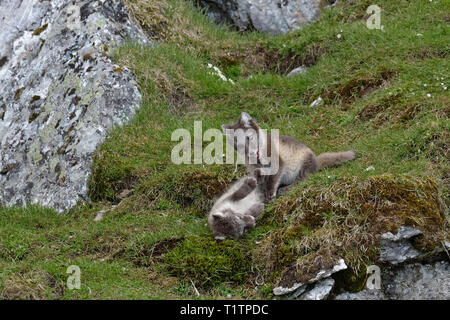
(384, 95)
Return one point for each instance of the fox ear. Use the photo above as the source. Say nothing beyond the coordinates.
(218, 215)
(245, 118)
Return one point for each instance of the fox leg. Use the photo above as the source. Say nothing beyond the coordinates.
(256, 210)
(244, 190)
(270, 187)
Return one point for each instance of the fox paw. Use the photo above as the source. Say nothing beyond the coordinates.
(269, 196)
(251, 182)
(257, 173)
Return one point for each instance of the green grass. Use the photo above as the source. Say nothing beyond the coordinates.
(155, 242)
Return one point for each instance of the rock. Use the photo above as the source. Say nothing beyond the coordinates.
(409, 282)
(398, 248)
(99, 215)
(297, 71)
(218, 72)
(418, 282)
(320, 291)
(301, 287)
(316, 102)
(366, 294)
(60, 94)
(281, 291)
(268, 16)
(447, 245)
(124, 194)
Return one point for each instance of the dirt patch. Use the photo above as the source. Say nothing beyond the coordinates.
(148, 254)
(372, 110)
(3, 61)
(358, 87)
(179, 100)
(262, 59)
(429, 53)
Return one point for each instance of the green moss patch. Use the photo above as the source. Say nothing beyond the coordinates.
(209, 262)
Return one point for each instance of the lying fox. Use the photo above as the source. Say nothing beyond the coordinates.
(295, 160)
(237, 209)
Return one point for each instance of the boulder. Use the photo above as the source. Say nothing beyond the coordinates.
(60, 95)
(416, 281)
(267, 16)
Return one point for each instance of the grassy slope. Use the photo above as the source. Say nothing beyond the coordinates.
(374, 85)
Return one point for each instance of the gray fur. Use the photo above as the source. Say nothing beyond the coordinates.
(237, 209)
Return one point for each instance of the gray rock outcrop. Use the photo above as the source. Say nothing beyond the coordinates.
(268, 16)
(415, 281)
(398, 248)
(60, 94)
(320, 291)
(404, 272)
(407, 273)
(316, 288)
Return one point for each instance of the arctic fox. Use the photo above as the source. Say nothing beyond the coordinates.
(237, 209)
(295, 160)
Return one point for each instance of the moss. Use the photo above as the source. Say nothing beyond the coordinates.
(18, 93)
(88, 56)
(39, 30)
(35, 98)
(153, 19)
(33, 117)
(350, 281)
(3, 61)
(209, 262)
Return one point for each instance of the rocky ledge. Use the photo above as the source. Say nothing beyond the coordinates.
(60, 94)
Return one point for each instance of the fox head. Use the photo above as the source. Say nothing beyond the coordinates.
(227, 224)
(244, 136)
(252, 142)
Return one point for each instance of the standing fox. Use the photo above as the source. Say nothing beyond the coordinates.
(295, 160)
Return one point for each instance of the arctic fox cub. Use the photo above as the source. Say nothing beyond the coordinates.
(237, 209)
(295, 160)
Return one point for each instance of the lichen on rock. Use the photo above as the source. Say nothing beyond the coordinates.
(59, 95)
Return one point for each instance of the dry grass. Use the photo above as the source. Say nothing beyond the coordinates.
(34, 285)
